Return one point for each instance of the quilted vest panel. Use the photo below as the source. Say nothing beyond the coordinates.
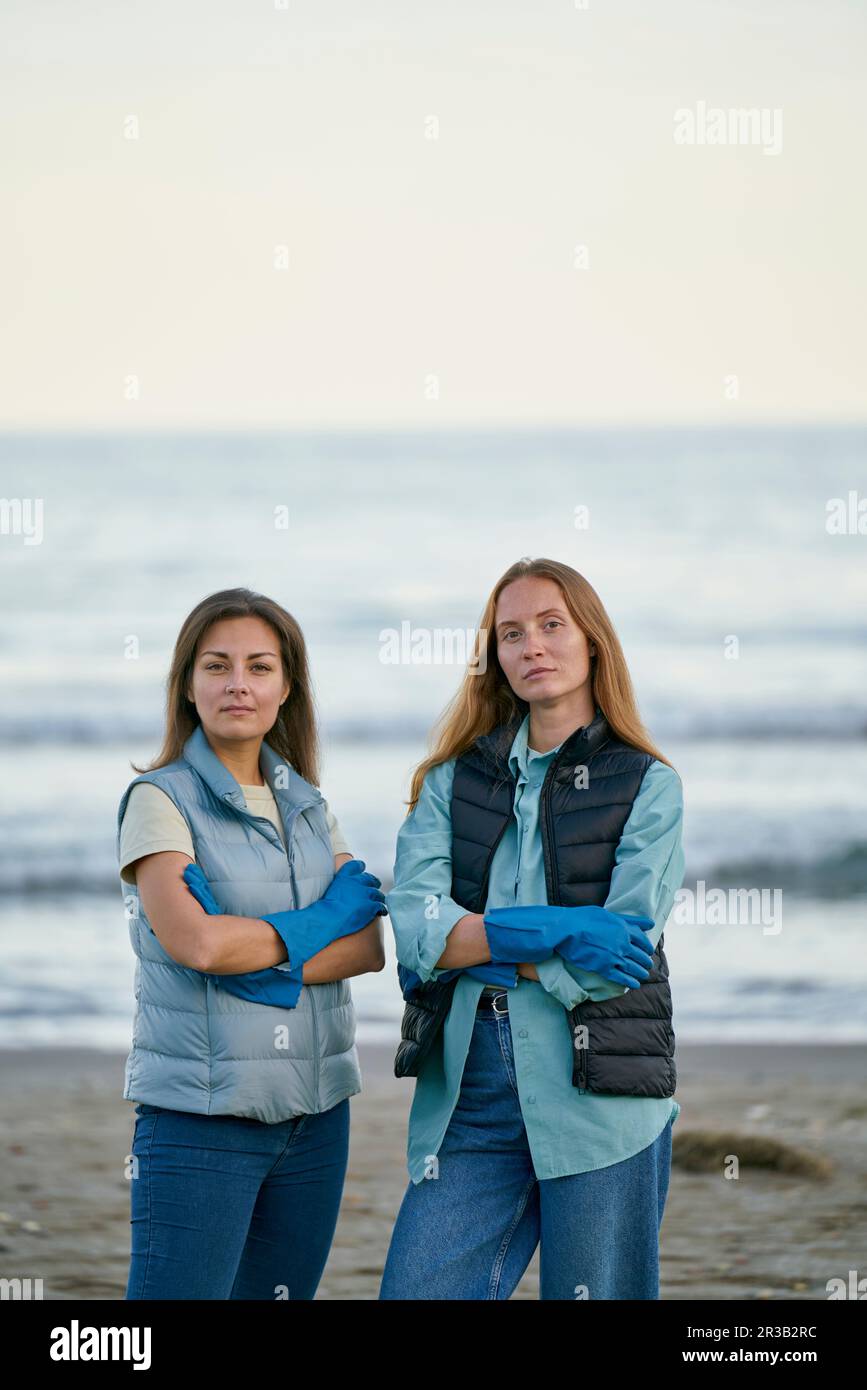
(195, 1047)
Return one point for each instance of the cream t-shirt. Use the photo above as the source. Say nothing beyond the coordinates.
(152, 823)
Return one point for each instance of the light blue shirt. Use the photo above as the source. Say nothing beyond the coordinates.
(568, 1131)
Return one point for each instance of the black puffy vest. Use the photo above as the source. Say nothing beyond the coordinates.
(623, 1045)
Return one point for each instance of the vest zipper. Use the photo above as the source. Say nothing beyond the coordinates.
(552, 882)
(310, 993)
(483, 892)
(579, 1069)
(551, 879)
(288, 826)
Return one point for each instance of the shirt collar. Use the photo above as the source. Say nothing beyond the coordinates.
(519, 752)
(519, 755)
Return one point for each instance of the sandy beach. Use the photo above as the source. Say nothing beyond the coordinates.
(796, 1216)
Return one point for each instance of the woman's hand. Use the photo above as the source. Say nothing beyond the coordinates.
(350, 903)
(528, 970)
(201, 890)
(613, 944)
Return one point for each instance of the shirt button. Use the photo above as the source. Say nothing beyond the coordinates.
(531, 1100)
(523, 1033)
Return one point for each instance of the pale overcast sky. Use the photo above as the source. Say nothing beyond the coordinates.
(429, 281)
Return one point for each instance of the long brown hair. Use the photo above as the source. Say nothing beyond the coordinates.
(294, 735)
(486, 700)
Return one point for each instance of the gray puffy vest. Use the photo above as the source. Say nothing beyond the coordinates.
(195, 1047)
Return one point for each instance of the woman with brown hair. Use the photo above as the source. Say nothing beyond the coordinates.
(247, 915)
(535, 872)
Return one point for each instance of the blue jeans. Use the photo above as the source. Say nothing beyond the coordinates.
(226, 1207)
(471, 1232)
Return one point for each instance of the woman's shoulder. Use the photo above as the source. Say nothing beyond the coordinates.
(168, 781)
(150, 823)
(145, 798)
(660, 786)
(439, 778)
(146, 793)
(662, 774)
(433, 806)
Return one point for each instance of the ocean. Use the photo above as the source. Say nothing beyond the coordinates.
(742, 615)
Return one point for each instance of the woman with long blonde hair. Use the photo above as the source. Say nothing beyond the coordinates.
(248, 916)
(534, 874)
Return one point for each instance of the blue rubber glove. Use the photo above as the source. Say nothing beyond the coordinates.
(279, 988)
(492, 973)
(201, 890)
(612, 944)
(282, 987)
(351, 900)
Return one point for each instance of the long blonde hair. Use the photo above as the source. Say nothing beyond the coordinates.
(486, 700)
(294, 735)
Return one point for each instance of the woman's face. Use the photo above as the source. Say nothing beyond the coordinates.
(238, 683)
(542, 650)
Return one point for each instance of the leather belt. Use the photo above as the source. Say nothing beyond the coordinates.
(493, 1002)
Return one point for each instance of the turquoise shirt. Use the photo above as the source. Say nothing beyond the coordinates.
(568, 1131)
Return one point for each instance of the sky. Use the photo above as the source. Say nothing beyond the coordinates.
(317, 213)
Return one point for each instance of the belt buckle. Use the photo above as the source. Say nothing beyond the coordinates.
(503, 994)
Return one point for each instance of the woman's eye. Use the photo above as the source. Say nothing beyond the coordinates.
(218, 665)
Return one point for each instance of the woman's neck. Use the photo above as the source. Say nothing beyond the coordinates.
(550, 726)
(241, 759)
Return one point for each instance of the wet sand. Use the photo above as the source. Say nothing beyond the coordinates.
(792, 1220)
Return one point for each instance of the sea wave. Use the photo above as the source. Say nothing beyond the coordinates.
(844, 723)
(840, 874)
